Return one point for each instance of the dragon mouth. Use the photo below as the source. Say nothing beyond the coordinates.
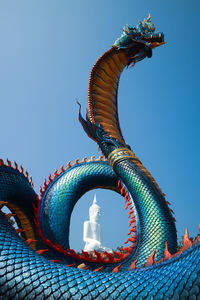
(143, 48)
(155, 40)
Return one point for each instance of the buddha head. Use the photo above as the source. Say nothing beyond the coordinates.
(94, 211)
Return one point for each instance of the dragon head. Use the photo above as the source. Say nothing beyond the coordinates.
(143, 34)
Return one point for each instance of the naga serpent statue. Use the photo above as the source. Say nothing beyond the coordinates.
(36, 261)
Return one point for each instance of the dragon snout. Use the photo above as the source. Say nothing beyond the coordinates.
(156, 40)
(157, 37)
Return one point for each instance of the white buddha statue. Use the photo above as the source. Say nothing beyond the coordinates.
(91, 230)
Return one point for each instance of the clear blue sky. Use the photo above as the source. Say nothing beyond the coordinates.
(47, 49)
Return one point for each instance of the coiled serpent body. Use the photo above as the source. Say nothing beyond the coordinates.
(36, 261)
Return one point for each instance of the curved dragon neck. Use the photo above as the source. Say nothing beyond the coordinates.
(102, 109)
(103, 90)
(103, 97)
